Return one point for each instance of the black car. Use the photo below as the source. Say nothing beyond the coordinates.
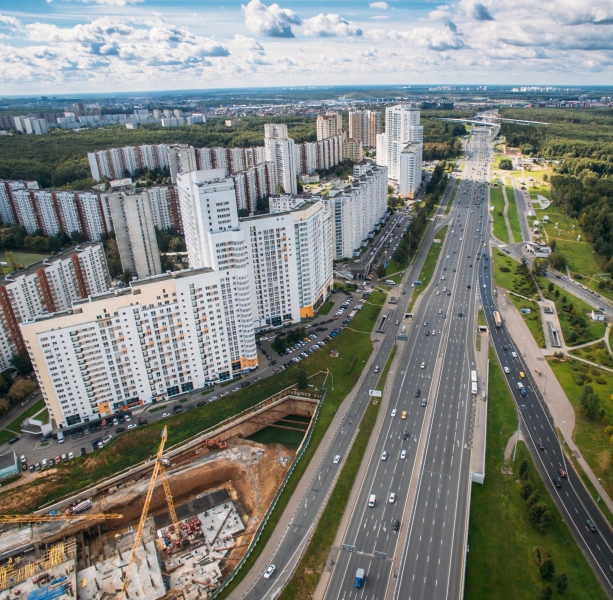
(427, 332)
(417, 393)
(246, 383)
(405, 435)
(14, 439)
(51, 462)
(505, 347)
(540, 446)
(120, 430)
(590, 525)
(24, 467)
(189, 407)
(460, 314)
(83, 451)
(557, 482)
(177, 409)
(396, 525)
(31, 468)
(201, 403)
(272, 362)
(468, 286)
(142, 421)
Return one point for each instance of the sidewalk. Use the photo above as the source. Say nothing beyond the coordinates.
(558, 403)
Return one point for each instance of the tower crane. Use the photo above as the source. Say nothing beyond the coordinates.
(158, 469)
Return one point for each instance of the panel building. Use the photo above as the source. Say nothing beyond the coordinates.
(280, 151)
(165, 335)
(329, 125)
(46, 287)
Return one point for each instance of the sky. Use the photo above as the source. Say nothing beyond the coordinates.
(61, 46)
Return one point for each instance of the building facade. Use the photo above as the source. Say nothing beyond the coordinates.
(166, 335)
(329, 125)
(365, 125)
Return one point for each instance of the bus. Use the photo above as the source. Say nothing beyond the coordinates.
(473, 382)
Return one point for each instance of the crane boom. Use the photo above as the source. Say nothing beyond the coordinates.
(143, 518)
(51, 518)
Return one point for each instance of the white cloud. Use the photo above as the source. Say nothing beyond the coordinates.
(12, 21)
(379, 17)
(270, 21)
(330, 26)
(108, 2)
(474, 9)
(379, 5)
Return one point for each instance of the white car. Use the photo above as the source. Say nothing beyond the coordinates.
(71, 455)
(448, 256)
(132, 426)
(393, 415)
(23, 459)
(164, 415)
(384, 455)
(268, 573)
(403, 454)
(392, 498)
(507, 370)
(514, 354)
(107, 439)
(128, 418)
(423, 365)
(212, 398)
(337, 459)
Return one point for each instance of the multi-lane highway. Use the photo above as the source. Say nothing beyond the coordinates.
(296, 536)
(573, 500)
(422, 453)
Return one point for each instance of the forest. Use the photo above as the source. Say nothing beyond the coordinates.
(60, 157)
(582, 143)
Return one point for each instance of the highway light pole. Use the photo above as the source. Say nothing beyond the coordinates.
(525, 346)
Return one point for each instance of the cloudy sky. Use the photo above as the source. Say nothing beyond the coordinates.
(59, 46)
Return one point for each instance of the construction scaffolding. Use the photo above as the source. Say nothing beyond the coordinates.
(13, 573)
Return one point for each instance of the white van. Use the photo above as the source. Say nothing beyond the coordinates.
(372, 500)
(390, 282)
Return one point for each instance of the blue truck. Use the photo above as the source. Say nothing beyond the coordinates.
(359, 578)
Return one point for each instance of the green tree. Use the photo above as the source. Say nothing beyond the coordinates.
(550, 287)
(553, 244)
(77, 236)
(21, 389)
(126, 276)
(4, 406)
(545, 521)
(380, 271)
(534, 498)
(561, 582)
(506, 164)
(22, 363)
(589, 401)
(539, 267)
(523, 469)
(557, 260)
(535, 512)
(546, 568)
(302, 380)
(526, 490)
(13, 261)
(547, 593)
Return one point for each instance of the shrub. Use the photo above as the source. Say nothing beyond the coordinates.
(534, 498)
(546, 568)
(578, 378)
(596, 372)
(505, 269)
(547, 593)
(561, 582)
(526, 490)
(600, 381)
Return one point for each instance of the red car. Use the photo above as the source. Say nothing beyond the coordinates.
(562, 472)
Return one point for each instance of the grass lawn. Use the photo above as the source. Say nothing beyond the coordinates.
(481, 320)
(510, 279)
(532, 319)
(325, 308)
(499, 225)
(580, 257)
(452, 197)
(15, 424)
(429, 265)
(25, 259)
(589, 436)
(305, 580)
(573, 336)
(598, 353)
(500, 563)
(513, 215)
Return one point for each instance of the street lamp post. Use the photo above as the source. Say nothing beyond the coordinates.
(525, 346)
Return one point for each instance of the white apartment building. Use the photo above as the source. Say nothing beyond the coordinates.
(365, 125)
(114, 162)
(357, 208)
(135, 232)
(313, 156)
(352, 150)
(402, 127)
(163, 203)
(45, 287)
(410, 170)
(166, 335)
(253, 184)
(35, 126)
(281, 152)
(329, 125)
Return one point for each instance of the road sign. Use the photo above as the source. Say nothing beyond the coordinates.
(376, 393)
(380, 554)
(348, 547)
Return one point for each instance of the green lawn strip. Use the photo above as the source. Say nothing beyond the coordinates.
(452, 198)
(508, 276)
(24, 259)
(573, 334)
(15, 424)
(499, 225)
(481, 320)
(501, 538)
(532, 319)
(597, 353)
(513, 215)
(590, 436)
(429, 265)
(305, 580)
(325, 308)
(354, 350)
(595, 493)
(6, 435)
(580, 257)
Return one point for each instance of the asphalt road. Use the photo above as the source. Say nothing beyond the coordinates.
(294, 539)
(429, 548)
(522, 197)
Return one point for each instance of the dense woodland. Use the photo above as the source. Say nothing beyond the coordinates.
(582, 141)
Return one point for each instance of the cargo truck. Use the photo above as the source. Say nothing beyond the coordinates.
(359, 578)
(497, 319)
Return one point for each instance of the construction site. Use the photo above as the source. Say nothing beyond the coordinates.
(175, 526)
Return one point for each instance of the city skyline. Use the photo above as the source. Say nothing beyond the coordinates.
(130, 45)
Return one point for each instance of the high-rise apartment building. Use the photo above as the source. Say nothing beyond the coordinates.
(313, 156)
(365, 125)
(329, 125)
(281, 152)
(410, 170)
(135, 232)
(356, 208)
(46, 287)
(402, 127)
(352, 150)
(165, 335)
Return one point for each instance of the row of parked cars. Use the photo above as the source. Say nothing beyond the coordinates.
(44, 464)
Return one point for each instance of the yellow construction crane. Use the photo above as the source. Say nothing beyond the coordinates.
(158, 468)
(59, 517)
